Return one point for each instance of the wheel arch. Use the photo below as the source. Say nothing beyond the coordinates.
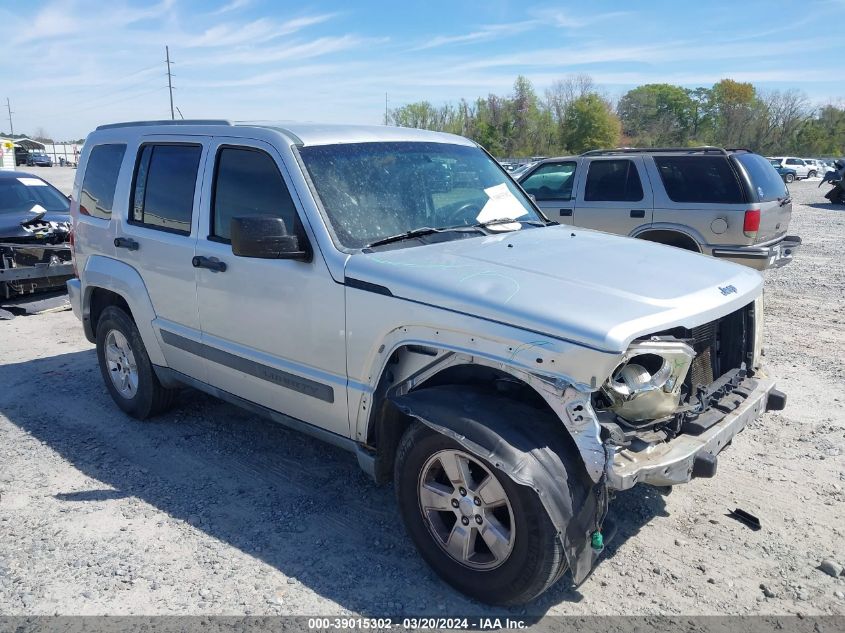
(414, 368)
(670, 237)
(106, 282)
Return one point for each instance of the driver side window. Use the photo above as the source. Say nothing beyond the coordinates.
(552, 181)
(247, 182)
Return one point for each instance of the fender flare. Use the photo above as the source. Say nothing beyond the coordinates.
(532, 447)
(686, 231)
(121, 279)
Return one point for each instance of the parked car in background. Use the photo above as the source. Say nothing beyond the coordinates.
(506, 373)
(728, 204)
(786, 173)
(38, 159)
(817, 167)
(34, 234)
(802, 169)
(20, 155)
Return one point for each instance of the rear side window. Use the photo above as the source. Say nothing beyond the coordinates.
(552, 181)
(97, 196)
(700, 179)
(613, 181)
(794, 161)
(766, 183)
(248, 183)
(165, 179)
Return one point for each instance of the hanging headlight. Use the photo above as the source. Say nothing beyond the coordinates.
(647, 384)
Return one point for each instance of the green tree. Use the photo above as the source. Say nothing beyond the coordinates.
(590, 124)
(657, 114)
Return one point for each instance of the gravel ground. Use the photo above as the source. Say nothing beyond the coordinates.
(209, 509)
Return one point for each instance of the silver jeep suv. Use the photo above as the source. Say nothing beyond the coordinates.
(730, 204)
(389, 291)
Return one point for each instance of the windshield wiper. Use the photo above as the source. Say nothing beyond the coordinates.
(420, 232)
(484, 225)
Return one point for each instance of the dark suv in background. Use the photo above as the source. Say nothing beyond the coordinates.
(730, 204)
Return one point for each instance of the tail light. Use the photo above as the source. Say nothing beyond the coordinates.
(751, 225)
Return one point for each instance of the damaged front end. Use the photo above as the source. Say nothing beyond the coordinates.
(37, 257)
(679, 397)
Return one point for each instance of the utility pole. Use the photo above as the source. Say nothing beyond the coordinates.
(169, 83)
(11, 126)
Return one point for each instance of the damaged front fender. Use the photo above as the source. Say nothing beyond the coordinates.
(531, 447)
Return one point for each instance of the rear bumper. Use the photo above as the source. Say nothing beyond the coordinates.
(761, 257)
(74, 294)
(679, 460)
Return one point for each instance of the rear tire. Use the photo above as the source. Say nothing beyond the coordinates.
(126, 367)
(521, 529)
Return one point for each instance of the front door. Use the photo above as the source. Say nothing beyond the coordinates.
(613, 196)
(273, 329)
(158, 237)
(552, 185)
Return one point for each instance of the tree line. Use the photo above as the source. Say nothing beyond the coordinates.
(574, 115)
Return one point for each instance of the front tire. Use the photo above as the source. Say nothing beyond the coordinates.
(789, 178)
(126, 367)
(485, 535)
(812, 174)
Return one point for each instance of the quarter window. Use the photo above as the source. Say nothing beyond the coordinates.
(699, 179)
(551, 181)
(165, 179)
(98, 185)
(613, 181)
(248, 183)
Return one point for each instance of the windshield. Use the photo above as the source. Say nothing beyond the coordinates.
(371, 191)
(26, 193)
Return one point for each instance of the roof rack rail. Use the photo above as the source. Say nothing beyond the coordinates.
(110, 126)
(703, 149)
(739, 149)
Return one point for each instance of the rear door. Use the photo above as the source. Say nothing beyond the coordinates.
(552, 184)
(159, 236)
(614, 195)
(769, 192)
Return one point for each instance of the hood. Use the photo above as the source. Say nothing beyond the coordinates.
(10, 223)
(591, 288)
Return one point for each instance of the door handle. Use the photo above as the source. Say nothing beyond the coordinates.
(637, 213)
(212, 263)
(566, 212)
(126, 242)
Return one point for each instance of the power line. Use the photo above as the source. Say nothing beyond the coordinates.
(169, 83)
(11, 126)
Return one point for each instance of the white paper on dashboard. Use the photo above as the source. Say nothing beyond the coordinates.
(501, 204)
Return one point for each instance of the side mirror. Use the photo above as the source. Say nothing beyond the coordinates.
(264, 237)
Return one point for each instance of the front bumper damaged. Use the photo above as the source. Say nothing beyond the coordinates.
(25, 267)
(686, 456)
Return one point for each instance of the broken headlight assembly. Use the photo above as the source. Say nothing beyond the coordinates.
(647, 384)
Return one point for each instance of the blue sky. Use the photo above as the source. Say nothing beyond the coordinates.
(70, 65)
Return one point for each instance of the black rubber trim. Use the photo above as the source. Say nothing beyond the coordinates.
(367, 286)
(259, 370)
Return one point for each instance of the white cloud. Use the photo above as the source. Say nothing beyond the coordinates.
(255, 32)
(234, 5)
(485, 33)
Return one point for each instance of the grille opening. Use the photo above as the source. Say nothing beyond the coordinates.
(720, 346)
